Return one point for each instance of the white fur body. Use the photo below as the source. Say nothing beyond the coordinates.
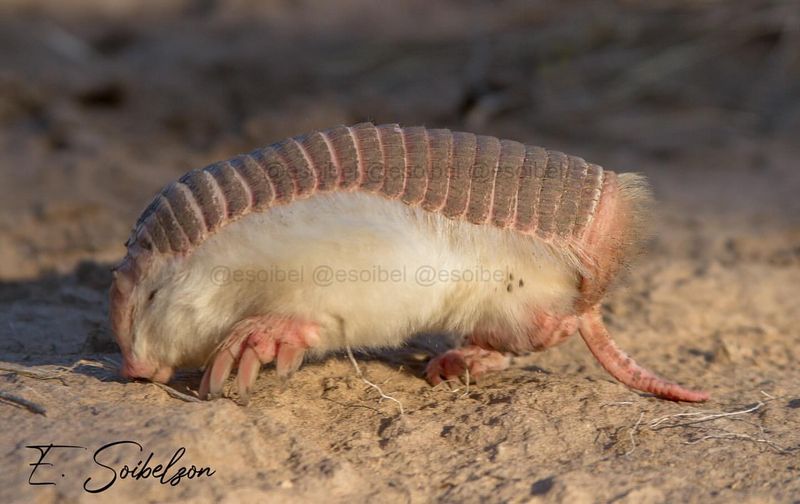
(270, 263)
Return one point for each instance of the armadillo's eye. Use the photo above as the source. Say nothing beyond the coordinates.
(152, 295)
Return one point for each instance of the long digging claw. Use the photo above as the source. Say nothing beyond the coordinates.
(255, 341)
(220, 370)
(249, 366)
(289, 359)
(202, 392)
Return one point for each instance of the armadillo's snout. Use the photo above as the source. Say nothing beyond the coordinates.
(133, 368)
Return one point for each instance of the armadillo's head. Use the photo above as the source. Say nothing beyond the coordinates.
(134, 303)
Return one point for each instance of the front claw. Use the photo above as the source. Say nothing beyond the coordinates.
(255, 341)
(454, 363)
(218, 372)
(249, 366)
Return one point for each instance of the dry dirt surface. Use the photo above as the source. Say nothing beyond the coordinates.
(102, 103)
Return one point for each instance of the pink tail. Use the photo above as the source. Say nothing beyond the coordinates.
(623, 368)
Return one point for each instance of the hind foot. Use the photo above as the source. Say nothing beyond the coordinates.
(454, 363)
(255, 341)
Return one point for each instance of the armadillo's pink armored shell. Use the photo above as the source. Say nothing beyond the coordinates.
(479, 179)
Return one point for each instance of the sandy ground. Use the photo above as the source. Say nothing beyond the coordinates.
(102, 103)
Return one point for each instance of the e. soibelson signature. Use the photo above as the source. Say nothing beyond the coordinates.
(170, 473)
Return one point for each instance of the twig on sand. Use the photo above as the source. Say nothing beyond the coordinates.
(697, 417)
(769, 397)
(376, 410)
(22, 402)
(49, 373)
(617, 403)
(53, 372)
(633, 432)
(726, 434)
(458, 382)
(700, 428)
(177, 395)
(364, 379)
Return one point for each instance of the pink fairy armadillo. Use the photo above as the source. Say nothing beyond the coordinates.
(363, 236)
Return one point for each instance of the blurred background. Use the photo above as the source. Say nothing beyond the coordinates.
(102, 102)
